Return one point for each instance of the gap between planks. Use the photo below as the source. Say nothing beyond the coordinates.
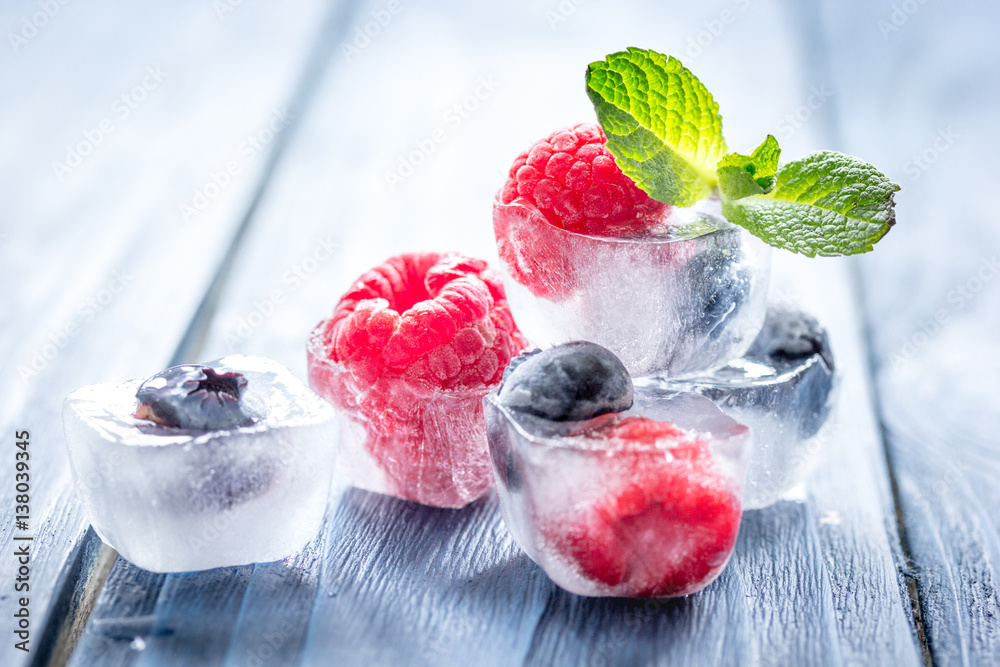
(90, 566)
(86, 581)
(819, 61)
(868, 336)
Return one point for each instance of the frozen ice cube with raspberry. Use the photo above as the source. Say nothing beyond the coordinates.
(572, 178)
(573, 181)
(639, 500)
(587, 255)
(407, 356)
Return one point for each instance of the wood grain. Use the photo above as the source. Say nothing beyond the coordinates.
(798, 590)
(927, 115)
(117, 212)
(821, 580)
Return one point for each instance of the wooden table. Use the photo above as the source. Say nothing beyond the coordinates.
(188, 179)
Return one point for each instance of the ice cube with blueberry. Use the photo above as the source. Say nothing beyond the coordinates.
(202, 466)
(783, 389)
(614, 490)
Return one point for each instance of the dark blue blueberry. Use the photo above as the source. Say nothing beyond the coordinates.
(517, 361)
(569, 382)
(790, 341)
(789, 337)
(195, 397)
(729, 284)
(214, 487)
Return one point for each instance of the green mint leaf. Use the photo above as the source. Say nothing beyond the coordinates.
(826, 204)
(663, 126)
(745, 175)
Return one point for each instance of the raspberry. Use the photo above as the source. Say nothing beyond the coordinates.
(572, 178)
(668, 526)
(439, 319)
(533, 251)
(409, 330)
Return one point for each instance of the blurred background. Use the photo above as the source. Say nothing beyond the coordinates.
(201, 177)
(140, 131)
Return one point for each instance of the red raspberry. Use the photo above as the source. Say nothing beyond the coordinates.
(670, 525)
(572, 178)
(407, 329)
(533, 251)
(440, 319)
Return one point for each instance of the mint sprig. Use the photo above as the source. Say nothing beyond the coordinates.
(665, 131)
(662, 124)
(754, 174)
(827, 203)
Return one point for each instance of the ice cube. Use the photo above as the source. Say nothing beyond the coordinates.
(406, 439)
(783, 390)
(644, 503)
(684, 298)
(170, 499)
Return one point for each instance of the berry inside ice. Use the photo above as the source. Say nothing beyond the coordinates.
(195, 397)
(408, 353)
(668, 521)
(570, 382)
(650, 511)
(789, 336)
(572, 178)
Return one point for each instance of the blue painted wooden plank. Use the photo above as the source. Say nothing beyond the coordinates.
(273, 620)
(123, 618)
(916, 93)
(846, 593)
(401, 583)
(185, 629)
(773, 605)
(408, 584)
(91, 286)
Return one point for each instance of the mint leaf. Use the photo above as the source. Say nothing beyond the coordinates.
(663, 126)
(827, 204)
(745, 175)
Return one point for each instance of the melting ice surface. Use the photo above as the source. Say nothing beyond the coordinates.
(173, 500)
(682, 299)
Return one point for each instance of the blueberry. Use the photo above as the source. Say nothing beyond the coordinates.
(730, 280)
(214, 488)
(788, 340)
(569, 382)
(195, 397)
(517, 361)
(789, 337)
